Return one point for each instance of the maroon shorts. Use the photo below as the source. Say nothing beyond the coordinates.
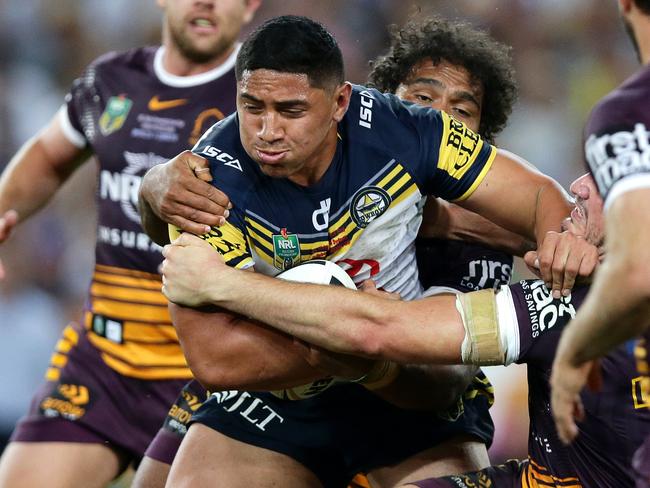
(90, 402)
(168, 439)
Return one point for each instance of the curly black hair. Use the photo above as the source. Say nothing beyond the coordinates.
(487, 60)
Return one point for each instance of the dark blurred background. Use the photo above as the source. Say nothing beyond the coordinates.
(567, 55)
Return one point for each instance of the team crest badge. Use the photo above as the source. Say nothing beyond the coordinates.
(286, 250)
(114, 114)
(368, 204)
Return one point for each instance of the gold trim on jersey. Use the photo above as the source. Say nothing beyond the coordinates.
(479, 178)
(228, 240)
(146, 345)
(536, 476)
(69, 339)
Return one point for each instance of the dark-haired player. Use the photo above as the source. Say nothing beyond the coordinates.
(318, 168)
(617, 308)
(521, 323)
(114, 376)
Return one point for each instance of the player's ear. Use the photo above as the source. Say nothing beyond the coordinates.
(251, 8)
(342, 95)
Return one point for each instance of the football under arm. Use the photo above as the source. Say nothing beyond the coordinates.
(475, 328)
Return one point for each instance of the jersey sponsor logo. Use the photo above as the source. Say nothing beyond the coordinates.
(222, 157)
(161, 129)
(123, 187)
(67, 401)
(180, 413)
(368, 204)
(115, 113)
(252, 409)
(464, 141)
(126, 238)
(322, 212)
(155, 104)
(286, 250)
(365, 112)
(483, 273)
(614, 156)
(474, 480)
(544, 311)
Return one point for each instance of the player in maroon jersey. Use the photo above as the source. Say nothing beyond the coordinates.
(617, 152)
(114, 375)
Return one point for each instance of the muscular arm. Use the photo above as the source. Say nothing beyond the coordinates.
(608, 318)
(38, 170)
(226, 351)
(444, 220)
(519, 198)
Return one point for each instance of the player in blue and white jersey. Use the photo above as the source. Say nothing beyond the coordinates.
(317, 168)
(522, 323)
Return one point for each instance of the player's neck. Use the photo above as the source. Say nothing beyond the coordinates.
(175, 63)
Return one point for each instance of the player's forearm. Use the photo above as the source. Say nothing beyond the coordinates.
(34, 174)
(228, 352)
(350, 322)
(551, 209)
(152, 224)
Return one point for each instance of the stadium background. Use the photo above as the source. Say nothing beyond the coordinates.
(567, 55)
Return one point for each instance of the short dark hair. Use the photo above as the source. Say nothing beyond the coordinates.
(643, 6)
(487, 61)
(293, 44)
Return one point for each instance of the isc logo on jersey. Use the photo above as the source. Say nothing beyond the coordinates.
(543, 309)
(619, 154)
(222, 157)
(365, 112)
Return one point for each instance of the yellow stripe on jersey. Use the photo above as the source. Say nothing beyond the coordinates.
(253, 224)
(228, 240)
(536, 476)
(480, 178)
(128, 294)
(155, 355)
(137, 332)
(459, 148)
(262, 240)
(126, 311)
(152, 373)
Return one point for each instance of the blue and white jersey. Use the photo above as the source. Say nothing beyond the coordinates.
(365, 211)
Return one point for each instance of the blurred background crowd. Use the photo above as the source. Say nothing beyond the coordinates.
(567, 55)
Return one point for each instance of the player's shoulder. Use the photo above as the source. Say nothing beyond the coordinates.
(234, 172)
(140, 58)
(627, 104)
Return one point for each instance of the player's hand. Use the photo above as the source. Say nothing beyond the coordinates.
(192, 271)
(180, 193)
(567, 381)
(561, 259)
(7, 223)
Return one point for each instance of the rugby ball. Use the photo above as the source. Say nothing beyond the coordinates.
(319, 272)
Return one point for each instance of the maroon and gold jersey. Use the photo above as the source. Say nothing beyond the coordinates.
(133, 115)
(617, 418)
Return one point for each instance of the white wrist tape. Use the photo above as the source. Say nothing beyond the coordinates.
(482, 344)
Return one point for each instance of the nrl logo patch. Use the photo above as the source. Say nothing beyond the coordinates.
(114, 114)
(286, 250)
(368, 204)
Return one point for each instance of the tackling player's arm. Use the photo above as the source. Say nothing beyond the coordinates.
(179, 193)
